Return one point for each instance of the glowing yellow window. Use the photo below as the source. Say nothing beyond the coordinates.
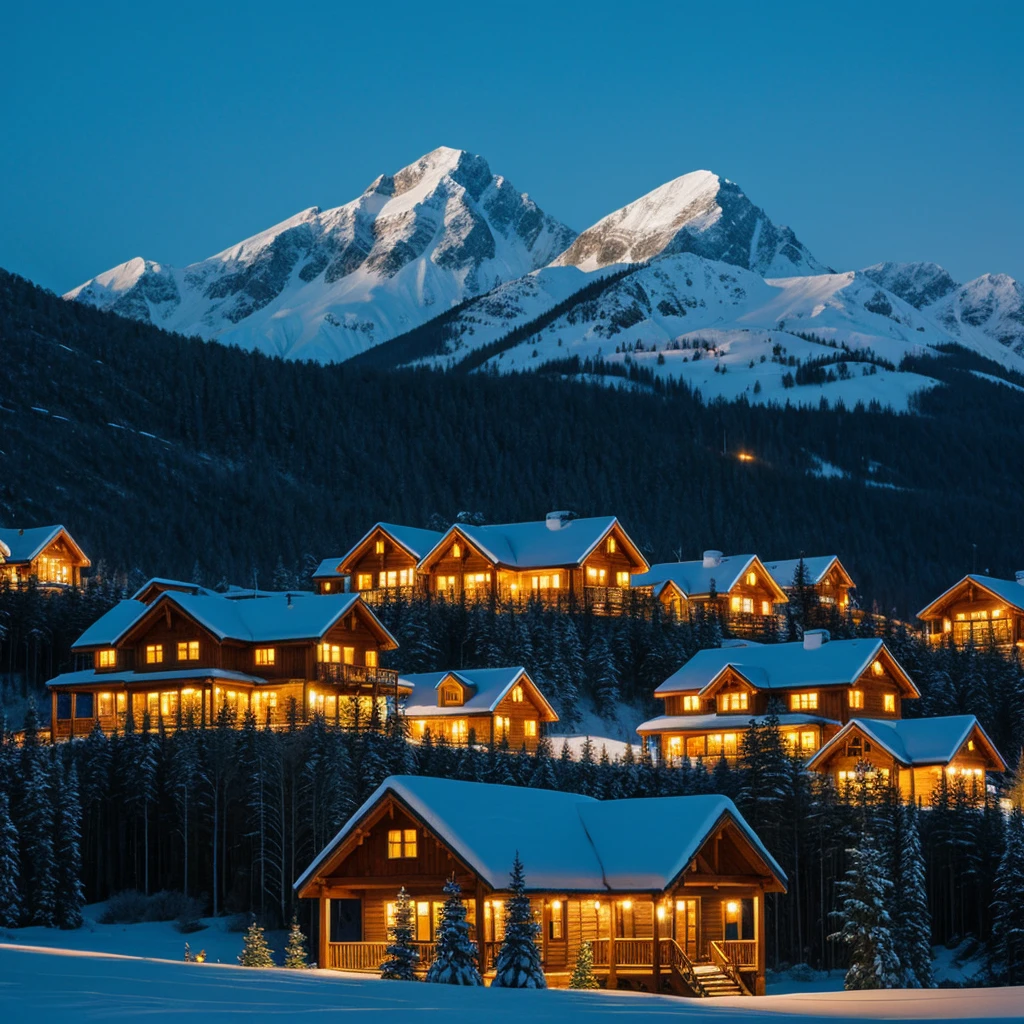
(960, 617)
(694, 746)
(729, 744)
(445, 583)
(803, 702)
(329, 654)
(327, 586)
(715, 744)
(751, 579)
(378, 547)
(266, 655)
(556, 927)
(104, 704)
(612, 547)
(364, 581)
(107, 659)
(876, 667)
(153, 704)
(735, 701)
(889, 702)
(517, 695)
(791, 740)
(389, 916)
(598, 576)
(186, 649)
(451, 695)
(970, 744)
(691, 703)
(766, 607)
(122, 703)
(856, 698)
(401, 843)
(530, 728)
(370, 657)
(154, 654)
(743, 605)
(502, 725)
(622, 579)
(675, 746)
(809, 740)
(348, 655)
(456, 551)
(405, 577)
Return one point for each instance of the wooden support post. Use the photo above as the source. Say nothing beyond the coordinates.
(53, 717)
(73, 702)
(612, 975)
(325, 931)
(481, 931)
(759, 931)
(656, 948)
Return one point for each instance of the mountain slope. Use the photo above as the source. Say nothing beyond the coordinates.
(699, 213)
(326, 284)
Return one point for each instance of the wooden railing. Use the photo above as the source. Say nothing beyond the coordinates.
(628, 952)
(368, 956)
(675, 957)
(361, 676)
(722, 954)
(387, 595)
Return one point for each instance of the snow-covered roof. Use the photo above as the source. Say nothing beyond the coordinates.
(415, 540)
(128, 678)
(1009, 591)
(535, 545)
(485, 689)
(24, 545)
(167, 583)
(816, 568)
(4, 550)
(329, 568)
(783, 666)
(694, 579)
(913, 741)
(566, 842)
(725, 723)
(272, 617)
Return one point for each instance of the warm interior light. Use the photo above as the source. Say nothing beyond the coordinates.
(627, 904)
(556, 904)
(745, 457)
(732, 906)
(680, 905)
(597, 904)
(661, 913)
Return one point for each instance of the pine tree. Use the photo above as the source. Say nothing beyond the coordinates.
(255, 951)
(1007, 951)
(11, 905)
(69, 896)
(295, 951)
(455, 956)
(583, 972)
(518, 962)
(867, 928)
(402, 954)
(37, 857)
(913, 923)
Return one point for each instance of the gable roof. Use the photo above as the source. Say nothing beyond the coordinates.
(535, 545)
(486, 689)
(1009, 591)
(567, 842)
(694, 579)
(723, 723)
(414, 540)
(161, 583)
(273, 617)
(24, 545)
(783, 666)
(913, 741)
(329, 568)
(816, 567)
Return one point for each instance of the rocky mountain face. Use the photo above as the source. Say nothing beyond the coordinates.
(699, 213)
(920, 284)
(326, 284)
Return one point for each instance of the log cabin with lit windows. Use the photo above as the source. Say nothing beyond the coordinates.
(561, 561)
(979, 609)
(920, 757)
(382, 565)
(499, 705)
(47, 554)
(825, 575)
(670, 891)
(818, 685)
(187, 656)
(739, 588)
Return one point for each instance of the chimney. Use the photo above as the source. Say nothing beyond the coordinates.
(1019, 576)
(712, 559)
(814, 638)
(289, 600)
(559, 520)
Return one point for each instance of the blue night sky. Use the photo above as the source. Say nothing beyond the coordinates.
(877, 131)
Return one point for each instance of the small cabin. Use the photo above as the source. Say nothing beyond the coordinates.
(920, 757)
(741, 591)
(824, 575)
(193, 656)
(382, 565)
(562, 560)
(47, 554)
(678, 907)
(981, 610)
(816, 685)
(493, 705)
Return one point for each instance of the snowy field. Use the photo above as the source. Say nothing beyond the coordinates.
(50, 985)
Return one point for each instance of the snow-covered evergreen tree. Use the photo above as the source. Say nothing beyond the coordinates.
(909, 912)
(37, 859)
(455, 957)
(69, 895)
(583, 972)
(867, 929)
(518, 961)
(295, 951)
(402, 954)
(255, 951)
(11, 904)
(1007, 950)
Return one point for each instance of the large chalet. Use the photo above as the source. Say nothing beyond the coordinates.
(47, 554)
(669, 891)
(179, 653)
(824, 575)
(979, 610)
(739, 588)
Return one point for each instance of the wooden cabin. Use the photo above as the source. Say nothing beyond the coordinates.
(47, 554)
(920, 756)
(818, 685)
(188, 656)
(823, 574)
(739, 588)
(493, 704)
(669, 890)
(383, 564)
(979, 610)
(561, 561)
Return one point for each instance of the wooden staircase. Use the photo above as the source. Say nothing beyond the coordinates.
(714, 982)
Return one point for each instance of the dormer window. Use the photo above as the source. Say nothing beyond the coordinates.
(378, 547)
(691, 702)
(188, 650)
(734, 701)
(451, 695)
(611, 546)
(327, 586)
(106, 659)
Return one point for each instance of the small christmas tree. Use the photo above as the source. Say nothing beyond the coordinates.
(194, 958)
(455, 958)
(518, 962)
(295, 951)
(402, 954)
(189, 959)
(255, 952)
(583, 973)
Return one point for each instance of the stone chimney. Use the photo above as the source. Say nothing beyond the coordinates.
(712, 559)
(814, 638)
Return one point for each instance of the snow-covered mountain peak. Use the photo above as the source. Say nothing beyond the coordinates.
(699, 212)
(920, 283)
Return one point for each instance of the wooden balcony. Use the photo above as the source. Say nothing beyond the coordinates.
(388, 595)
(366, 957)
(358, 679)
